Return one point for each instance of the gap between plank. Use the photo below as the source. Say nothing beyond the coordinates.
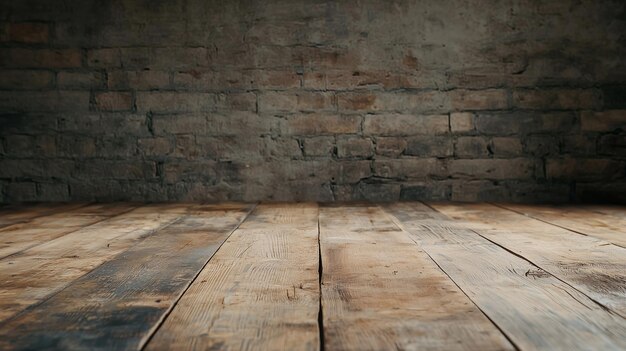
(150, 334)
(607, 309)
(77, 229)
(320, 271)
(553, 224)
(401, 226)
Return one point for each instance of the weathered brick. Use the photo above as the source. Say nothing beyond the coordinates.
(613, 96)
(47, 101)
(472, 147)
(319, 146)
(478, 190)
(164, 102)
(437, 190)
(612, 144)
(496, 169)
(53, 192)
(140, 80)
(104, 58)
(190, 171)
(490, 99)
(321, 124)
(510, 123)
(396, 125)
(116, 147)
(154, 146)
(25, 79)
(119, 169)
(21, 192)
(70, 145)
(30, 145)
(434, 101)
(28, 32)
(580, 169)
(292, 102)
(461, 122)
(507, 146)
(557, 99)
(40, 58)
(605, 121)
(540, 146)
(179, 124)
(429, 146)
(236, 102)
(578, 144)
(354, 147)
(410, 168)
(379, 192)
(114, 101)
(390, 146)
(283, 147)
(80, 80)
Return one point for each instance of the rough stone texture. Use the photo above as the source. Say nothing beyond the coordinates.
(523, 100)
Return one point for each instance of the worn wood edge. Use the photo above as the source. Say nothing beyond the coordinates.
(145, 340)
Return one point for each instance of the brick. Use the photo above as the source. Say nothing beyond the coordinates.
(410, 168)
(30, 145)
(319, 146)
(472, 147)
(179, 124)
(120, 169)
(234, 123)
(114, 101)
(53, 192)
(470, 100)
(154, 146)
(519, 122)
(41, 58)
(398, 125)
(80, 80)
(579, 169)
(479, 190)
(578, 145)
(21, 192)
(197, 171)
(434, 101)
(48, 101)
(429, 146)
(541, 146)
(390, 146)
(116, 147)
(39, 169)
(28, 32)
(379, 192)
(612, 144)
(292, 102)
(354, 147)
(433, 191)
(321, 124)
(70, 145)
(236, 102)
(557, 99)
(140, 80)
(461, 122)
(507, 147)
(179, 58)
(496, 169)
(171, 102)
(283, 147)
(613, 96)
(25, 79)
(104, 58)
(605, 121)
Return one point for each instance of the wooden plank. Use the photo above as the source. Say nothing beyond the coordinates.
(593, 266)
(19, 237)
(580, 220)
(380, 291)
(32, 275)
(536, 310)
(259, 292)
(116, 305)
(23, 213)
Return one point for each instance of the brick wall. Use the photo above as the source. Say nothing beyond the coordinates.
(521, 100)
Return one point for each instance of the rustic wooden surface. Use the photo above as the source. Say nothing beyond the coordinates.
(406, 276)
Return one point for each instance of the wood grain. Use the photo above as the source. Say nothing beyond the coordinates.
(24, 235)
(584, 221)
(380, 291)
(259, 292)
(533, 308)
(14, 214)
(591, 265)
(117, 305)
(32, 275)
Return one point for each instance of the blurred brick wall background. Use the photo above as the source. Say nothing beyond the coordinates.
(520, 100)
